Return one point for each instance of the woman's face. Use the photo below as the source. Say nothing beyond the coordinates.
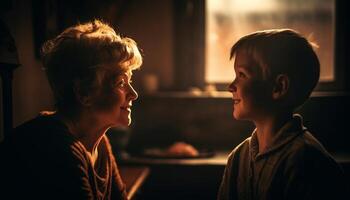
(116, 102)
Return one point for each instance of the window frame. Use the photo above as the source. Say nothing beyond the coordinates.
(189, 38)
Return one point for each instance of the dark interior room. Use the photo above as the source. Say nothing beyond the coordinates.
(182, 85)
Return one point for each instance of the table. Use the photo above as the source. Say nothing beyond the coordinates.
(133, 177)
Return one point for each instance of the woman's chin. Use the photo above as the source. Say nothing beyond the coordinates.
(125, 122)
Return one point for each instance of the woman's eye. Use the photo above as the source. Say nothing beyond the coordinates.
(121, 83)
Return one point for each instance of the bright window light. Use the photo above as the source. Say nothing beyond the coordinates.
(228, 20)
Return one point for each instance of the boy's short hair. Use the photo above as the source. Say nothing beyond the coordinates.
(283, 51)
(80, 54)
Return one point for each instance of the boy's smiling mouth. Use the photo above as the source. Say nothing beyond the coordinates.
(236, 101)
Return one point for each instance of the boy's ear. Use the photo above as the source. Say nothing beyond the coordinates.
(281, 86)
(82, 96)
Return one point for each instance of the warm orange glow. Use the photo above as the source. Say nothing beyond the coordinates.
(228, 20)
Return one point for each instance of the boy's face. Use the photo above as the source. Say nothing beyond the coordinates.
(251, 94)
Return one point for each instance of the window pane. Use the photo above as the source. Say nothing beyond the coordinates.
(228, 20)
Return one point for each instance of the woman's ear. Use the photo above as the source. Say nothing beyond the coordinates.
(281, 86)
(81, 95)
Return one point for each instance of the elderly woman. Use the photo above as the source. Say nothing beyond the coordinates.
(66, 154)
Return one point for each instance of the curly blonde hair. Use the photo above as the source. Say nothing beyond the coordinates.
(85, 55)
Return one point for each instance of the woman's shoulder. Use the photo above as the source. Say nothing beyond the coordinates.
(43, 129)
(43, 145)
(41, 123)
(46, 135)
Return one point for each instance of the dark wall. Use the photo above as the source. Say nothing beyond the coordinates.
(208, 122)
(31, 22)
(327, 118)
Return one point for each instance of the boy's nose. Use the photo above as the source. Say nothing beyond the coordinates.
(232, 87)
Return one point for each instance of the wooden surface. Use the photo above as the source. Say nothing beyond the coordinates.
(133, 177)
(220, 159)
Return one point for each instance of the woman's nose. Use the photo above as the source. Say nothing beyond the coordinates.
(133, 93)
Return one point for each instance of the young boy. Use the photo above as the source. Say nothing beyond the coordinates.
(276, 70)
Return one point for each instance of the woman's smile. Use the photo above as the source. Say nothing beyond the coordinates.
(126, 108)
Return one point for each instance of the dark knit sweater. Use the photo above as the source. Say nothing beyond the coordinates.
(42, 160)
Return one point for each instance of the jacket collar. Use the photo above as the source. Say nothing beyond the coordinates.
(286, 134)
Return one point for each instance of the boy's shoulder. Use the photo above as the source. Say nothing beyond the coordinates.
(307, 150)
(309, 157)
(241, 148)
(307, 144)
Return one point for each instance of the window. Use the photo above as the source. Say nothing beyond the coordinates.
(204, 32)
(228, 20)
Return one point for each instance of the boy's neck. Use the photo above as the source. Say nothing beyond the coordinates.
(268, 127)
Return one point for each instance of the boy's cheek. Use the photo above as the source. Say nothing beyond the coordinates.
(260, 93)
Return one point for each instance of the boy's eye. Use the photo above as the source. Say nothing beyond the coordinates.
(241, 74)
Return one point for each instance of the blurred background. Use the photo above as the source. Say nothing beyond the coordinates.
(182, 83)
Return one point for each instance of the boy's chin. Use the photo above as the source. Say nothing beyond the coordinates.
(236, 116)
